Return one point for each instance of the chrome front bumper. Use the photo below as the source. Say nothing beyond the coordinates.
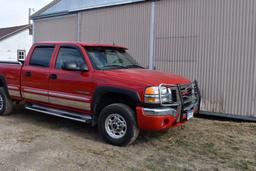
(160, 111)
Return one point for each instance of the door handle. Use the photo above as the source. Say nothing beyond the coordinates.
(28, 74)
(53, 76)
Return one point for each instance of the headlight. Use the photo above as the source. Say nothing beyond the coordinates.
(152, 95)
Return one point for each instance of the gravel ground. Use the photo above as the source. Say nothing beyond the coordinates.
(34, 141)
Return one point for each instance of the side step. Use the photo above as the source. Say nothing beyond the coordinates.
(60, 113)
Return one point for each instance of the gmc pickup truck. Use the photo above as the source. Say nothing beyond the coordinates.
(100, 85)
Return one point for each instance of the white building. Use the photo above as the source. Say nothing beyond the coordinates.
(15, 42)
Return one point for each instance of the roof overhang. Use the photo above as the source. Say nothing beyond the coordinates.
(64, 7)
(14, 30)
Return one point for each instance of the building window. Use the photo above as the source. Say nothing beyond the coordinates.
(21, 55)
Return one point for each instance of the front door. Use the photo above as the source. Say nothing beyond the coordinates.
(69, 89)
(35, 75)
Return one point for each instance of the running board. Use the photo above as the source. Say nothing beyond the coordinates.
(60, 113)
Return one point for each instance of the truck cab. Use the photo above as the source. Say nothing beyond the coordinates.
(100, 85)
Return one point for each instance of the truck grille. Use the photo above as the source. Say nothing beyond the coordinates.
(184, 97)
(188, 96)
(186, 93)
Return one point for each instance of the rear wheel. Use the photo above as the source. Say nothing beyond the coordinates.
(6, 104)
(117, 124)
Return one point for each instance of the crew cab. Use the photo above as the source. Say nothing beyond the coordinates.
(98, 84)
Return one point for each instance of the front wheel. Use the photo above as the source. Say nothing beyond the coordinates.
(117, 124)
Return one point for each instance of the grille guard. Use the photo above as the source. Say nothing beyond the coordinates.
(195, 98)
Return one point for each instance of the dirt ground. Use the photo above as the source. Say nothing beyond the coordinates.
(33, 141)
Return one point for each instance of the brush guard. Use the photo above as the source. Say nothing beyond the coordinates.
(185, 98)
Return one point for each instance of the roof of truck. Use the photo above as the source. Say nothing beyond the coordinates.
(81, 43)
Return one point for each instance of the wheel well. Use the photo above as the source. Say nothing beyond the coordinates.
(110, 98)
(1, 83)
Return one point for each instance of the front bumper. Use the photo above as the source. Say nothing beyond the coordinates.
(165, 117)
(160, 120)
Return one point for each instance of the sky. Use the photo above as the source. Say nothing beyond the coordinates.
(15, 12)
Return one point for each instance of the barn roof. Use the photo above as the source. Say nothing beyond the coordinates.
(9, 31)
(62, 7)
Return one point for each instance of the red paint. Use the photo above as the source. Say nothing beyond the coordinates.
(84, 83)
(156, 123)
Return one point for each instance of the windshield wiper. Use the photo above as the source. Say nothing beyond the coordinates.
(134, 66)
(114, 67)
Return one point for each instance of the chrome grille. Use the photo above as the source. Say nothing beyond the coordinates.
(188, 95)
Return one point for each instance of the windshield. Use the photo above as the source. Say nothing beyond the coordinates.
(104, 58)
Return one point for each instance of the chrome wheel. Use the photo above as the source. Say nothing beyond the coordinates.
(1, 103)
(115, 126)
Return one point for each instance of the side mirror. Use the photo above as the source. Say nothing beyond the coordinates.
(74, 66)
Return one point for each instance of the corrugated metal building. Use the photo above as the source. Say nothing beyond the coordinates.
(212, 41)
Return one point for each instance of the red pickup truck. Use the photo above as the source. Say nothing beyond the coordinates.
(98, 84)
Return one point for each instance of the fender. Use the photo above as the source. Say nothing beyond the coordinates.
(108, 89)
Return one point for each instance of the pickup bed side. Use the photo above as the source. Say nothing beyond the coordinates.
(10, 78)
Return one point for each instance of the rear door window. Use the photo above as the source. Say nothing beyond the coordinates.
(41, 56)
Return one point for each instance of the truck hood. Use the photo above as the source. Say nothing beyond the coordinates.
(146, 77)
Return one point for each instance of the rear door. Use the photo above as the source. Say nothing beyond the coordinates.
(35, 75)
(70, 89)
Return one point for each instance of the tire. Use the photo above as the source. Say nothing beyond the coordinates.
(117, 124)
(6, 104)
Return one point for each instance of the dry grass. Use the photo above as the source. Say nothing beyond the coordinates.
(207, 145)
(32, 141)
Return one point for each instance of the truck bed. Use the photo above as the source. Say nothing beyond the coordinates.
(10, 62)
(11, 72)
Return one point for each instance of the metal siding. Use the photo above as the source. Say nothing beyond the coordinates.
(212, 41)
(253, 63)
(127, 25)
(61, 28)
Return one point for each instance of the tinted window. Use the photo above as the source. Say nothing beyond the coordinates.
(69, 54)
(41, 56)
